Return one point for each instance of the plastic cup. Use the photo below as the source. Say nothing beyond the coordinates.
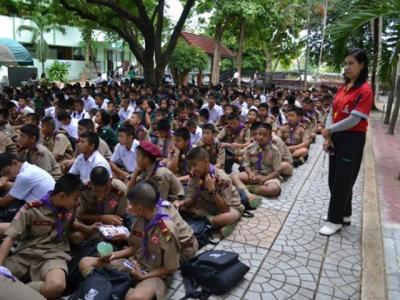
(104, 249)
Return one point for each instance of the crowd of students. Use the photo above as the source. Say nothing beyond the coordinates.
(74, 158)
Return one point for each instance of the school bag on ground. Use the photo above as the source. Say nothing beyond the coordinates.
(212, 272)
(202, 229)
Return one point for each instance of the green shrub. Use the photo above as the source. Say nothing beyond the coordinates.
(58, 71)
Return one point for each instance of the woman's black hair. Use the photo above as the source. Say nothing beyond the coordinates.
(361, 56)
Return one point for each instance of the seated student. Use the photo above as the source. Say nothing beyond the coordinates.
(264, 116)
(101, 102)
(150, 168)
(262, 163)
(215, 149)
(181, 118)
(252, 117)
(23, 105)
(222, 122)
(70, 126)
(126, 110)
(136, 120)
(41, 229)
(16, 118)
(104, 130)
(235, 136)
(164, 136)
(287, 158)
(295, 136)
(89, 157)
(195, 131)
(211, 193)
(123, 160)
(79, 112)
(87, 125)
(25, 182)
(177, 160)
(35, 153)
(204, 117)
(104, 201)
(57, 142)
(7, 144)
(311, 114)
(32, 118)
(12, 288)
(159, 240)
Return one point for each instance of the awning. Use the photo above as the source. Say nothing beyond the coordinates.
(13, 53)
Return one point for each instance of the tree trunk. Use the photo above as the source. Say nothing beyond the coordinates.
(376, 41)
(392, 85)
(219, 31)
(43, 70)
(240, 54)
(149, 74)
(321, 50)
(268, 67)
(397, 105)
(307, 46)
(200, 78)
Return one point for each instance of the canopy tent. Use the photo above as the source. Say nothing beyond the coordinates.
(13, 53)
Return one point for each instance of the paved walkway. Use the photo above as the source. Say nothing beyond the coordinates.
(387, 166)
(281, 244)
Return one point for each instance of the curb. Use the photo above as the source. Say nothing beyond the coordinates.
(373, 277)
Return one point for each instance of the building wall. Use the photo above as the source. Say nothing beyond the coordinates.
(72, 38)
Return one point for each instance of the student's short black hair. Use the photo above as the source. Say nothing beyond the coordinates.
(105, 117)
(49, 121)
(191, 122)
(291, 99)
(34, 116)
(265, 126)
(92, 137)
(210, 127)
(4, 113)
(68, 184)
(232, 116)
(253, 110)
(87, 123)
(31, 130)
(163, 125)
(254, 126)
(204, 113)
(213, 95)
(99, 176)
(6, 160)
(249, 95)
(296, 110)
(63, 115)
(80, 101)
(128, 129)
(308, 101)
(183, 133)
(263, 105)
(140, 116)
(198, 153)
(145, 194)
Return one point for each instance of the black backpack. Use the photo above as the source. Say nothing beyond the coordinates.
(215, 271)
(229, 160)
(201, 226)
(103, 284)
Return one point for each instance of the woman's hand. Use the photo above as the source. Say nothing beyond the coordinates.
(328, 145)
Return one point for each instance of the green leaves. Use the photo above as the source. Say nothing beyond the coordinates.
(58, 71)
(186, 58)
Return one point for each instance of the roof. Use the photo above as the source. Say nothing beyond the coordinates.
(206, 44)
(13, 53)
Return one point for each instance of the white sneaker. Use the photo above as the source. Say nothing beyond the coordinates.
(330, 228)
(346, 220)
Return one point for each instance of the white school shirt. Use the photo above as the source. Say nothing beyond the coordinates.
(196, 136)
(215, 113)
(125, 157)
(32, 183)
(71, 128)
(125, 114)
(89, 102)
(83, 167)
(80, 116)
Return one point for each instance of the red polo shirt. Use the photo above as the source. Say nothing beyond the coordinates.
(357, 101)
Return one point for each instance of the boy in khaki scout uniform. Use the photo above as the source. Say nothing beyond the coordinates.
(164, 136)
(104, 201)
(295, 136)
(41, 229)
(149, 168)
(215, 149)
(262, 163)
(12, 288)
(211, 193)
(56, 142)
(36, 153)
(7, 144)
(177, 160)
(287, 158)
(235, 136)
(157, 244)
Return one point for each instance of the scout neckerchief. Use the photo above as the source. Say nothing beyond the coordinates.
(200, 187)
(236, 132)
(59, 212)
(292, 130)
(183, 159)
(7, 273)
(159, 216)
(260, 156)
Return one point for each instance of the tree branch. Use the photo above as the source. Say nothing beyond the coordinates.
(177, 30)
(143, 12)
(159, 28)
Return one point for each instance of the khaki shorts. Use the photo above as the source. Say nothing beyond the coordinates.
(204, 213)
(255, 189)
(37, 268)
(189, 249)
(17, 290)
(157, 284)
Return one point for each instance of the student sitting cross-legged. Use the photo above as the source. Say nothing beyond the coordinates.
(159, 240)
(211, 193)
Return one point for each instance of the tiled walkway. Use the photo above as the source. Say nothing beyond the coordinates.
(281, 244)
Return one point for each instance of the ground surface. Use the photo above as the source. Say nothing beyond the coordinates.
(281, 244)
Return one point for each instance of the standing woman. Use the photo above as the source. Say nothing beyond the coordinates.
(344, 135)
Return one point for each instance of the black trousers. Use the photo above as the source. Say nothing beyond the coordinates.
(344, 166)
